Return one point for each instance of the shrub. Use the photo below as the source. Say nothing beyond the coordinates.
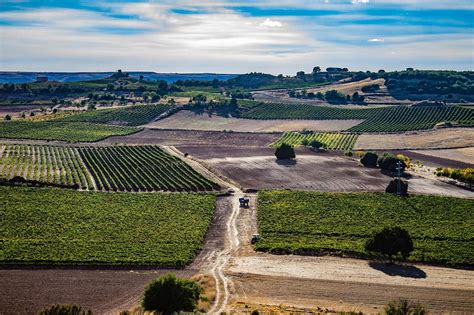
(390, 242)
(284, 152)
(169, 294)
(464, 175)
(404, 307)
(348, 153)
(369, 159)
(393, 186)
(65, 309)
(316, 145)
(388, 162)
(8, 117)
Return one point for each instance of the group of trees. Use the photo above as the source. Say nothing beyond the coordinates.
(386, 162)
(331, 96)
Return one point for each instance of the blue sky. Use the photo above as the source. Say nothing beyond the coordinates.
(235, 36)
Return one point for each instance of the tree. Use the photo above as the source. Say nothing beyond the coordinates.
(301, 75)
(65, 309)
(141, 78)
(285, 152)
(316, 69)
(404, 307)
(8, 117)
(369, 159)
(388, 162)
(169, 294)
(390, 242)
(316, 145)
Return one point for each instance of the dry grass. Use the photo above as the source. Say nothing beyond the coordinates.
(209, 285)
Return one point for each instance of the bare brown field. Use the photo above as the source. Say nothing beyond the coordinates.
(431, 139)
(18, 109)
(257, 168)
(194, 137)
(464, 155)
(188, 120)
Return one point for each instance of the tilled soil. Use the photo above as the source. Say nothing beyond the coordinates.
(193, 137)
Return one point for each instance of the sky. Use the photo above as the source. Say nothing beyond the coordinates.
(235, 36)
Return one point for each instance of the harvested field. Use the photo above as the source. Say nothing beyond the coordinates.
(17, 109)
(464, 155)
(431, 139)
(193, 137)
(190, 121)
(257, 168)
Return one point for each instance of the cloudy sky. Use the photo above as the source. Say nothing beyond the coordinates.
(235, 36)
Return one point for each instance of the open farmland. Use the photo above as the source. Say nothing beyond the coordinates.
(58, 165)
(61, 131)
(386, 119)
(312, 222)
(52, 226)
(331, 141)
(129, 116)
(428, 139)
(191, 121)
(141, 168)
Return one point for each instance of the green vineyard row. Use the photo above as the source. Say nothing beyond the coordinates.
(385, 119)
(118, 168)
(129, 116)
(330, 140)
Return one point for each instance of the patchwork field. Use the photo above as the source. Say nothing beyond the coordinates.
(330, 141)
(116, 168)
(53, 226)
(61, 131)
(430, 139)
(311, 222)
(129, 116)
(191, 121)
(385, 119)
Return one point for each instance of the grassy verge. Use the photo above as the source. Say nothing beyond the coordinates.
(53, 226)
(442, 228)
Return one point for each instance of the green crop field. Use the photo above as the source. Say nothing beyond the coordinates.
(116, 168)
(58, 226)
(61, 131)
(331, 140)
(141, 168)
(442, 228)
(48, 164)
(385, 119)
(129, 116)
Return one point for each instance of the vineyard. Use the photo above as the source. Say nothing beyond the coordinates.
(330, 141)
(385, 119)
(61, 131)
(129, 116)
(59, 226)
(46, 164)
(315, 222)
(117, 168)
(141, 168)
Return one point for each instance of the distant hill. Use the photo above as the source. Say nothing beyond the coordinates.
(26, 77)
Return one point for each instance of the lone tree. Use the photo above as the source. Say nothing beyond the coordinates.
(169, 294)
(316, 145)
(285, 152)
(390, 242)
(369, 159)
(388, 162)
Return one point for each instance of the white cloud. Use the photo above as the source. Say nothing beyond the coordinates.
(270, 23)
(360, 1)
(376, 40)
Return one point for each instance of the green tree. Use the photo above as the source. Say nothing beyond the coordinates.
(285, 152)
(169, 294)
(390, 242)
(388, 162)
(316, 145)
(8, 117)
(369, 159)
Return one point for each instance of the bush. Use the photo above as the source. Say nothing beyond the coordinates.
(388, 162)
(348, 153)
(393, 186)
(316, 145)
(403, 307)
(8, 117)
(284, 152)
(465, 175)
(169, 294)
(369, 159)
(390, 242)
(65, 309)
